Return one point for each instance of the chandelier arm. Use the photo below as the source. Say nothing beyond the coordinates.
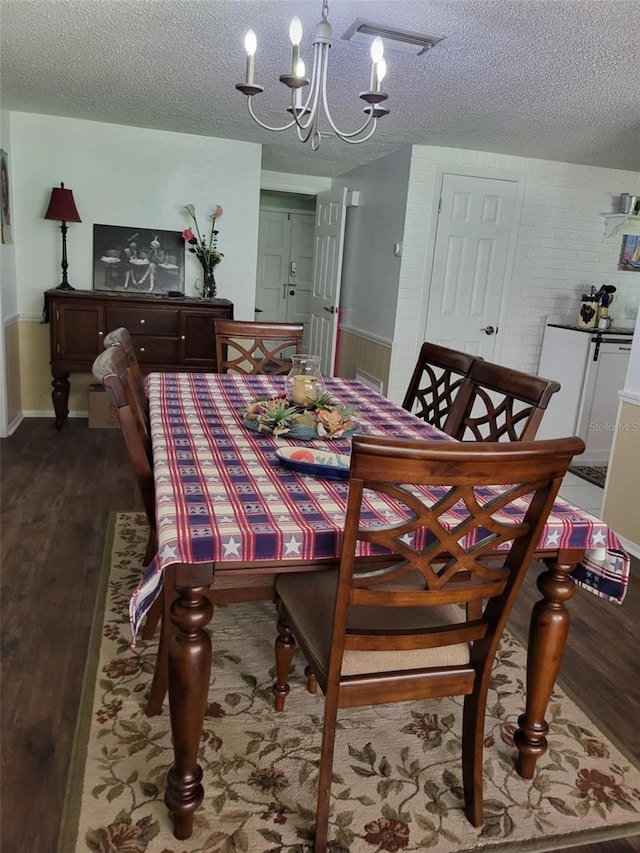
(362, 138)
(262, 124)
(345, 137)
(349, 137)
(306, 131)
(314, 93)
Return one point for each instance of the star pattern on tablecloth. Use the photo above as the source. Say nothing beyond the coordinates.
(292, 546)
(231, 547)
(168, 553)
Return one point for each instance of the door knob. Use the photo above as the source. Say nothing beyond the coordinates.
(330, 310)
(292, 293)
(489, 330)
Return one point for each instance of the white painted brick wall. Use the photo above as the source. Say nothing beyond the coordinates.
(561, 251)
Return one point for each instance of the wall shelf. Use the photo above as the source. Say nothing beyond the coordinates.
(613, 221)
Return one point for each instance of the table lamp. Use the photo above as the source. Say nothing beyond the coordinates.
(63, 208)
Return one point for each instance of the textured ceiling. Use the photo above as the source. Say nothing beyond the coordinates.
(555, 79)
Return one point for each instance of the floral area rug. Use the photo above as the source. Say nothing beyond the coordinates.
(595, 474)
(397, 771)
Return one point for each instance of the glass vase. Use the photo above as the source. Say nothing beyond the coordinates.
(304, 382)
(206, 287)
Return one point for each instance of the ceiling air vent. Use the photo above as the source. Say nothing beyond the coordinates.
(404, 40)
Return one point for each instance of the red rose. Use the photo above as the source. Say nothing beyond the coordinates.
(187, 234)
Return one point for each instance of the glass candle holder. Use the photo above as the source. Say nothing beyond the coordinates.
(304, 382)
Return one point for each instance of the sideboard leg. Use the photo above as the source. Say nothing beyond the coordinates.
(547, 640)
(60, 397)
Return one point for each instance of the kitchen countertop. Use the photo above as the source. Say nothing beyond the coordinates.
(613, 330)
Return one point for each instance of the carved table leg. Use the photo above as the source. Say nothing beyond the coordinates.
(547, 639)
(285, 647)
(60, 398)
(160, 681)
(189, 670)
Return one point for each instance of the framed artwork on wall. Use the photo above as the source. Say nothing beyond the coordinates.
(630, 254)
(137, 260)
(5, 198)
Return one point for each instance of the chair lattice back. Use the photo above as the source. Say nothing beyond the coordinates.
(435, 382)
(450, 549)
(122, 338)
(497, 403)
(254, 347)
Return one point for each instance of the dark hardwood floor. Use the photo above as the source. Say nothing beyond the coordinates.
(57, 492)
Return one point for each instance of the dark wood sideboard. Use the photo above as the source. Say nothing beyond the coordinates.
(169, 333)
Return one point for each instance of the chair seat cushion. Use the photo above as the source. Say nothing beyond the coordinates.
(309, 600)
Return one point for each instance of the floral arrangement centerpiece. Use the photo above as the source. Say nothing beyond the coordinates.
(319, 418)
(206, 250)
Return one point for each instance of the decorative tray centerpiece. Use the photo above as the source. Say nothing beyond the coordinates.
(317, 463)
(318, 418)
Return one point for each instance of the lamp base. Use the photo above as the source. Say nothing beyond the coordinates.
(64, 285)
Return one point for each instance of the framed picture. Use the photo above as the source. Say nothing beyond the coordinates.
(630, 254)
(137, 260)
(5, 198)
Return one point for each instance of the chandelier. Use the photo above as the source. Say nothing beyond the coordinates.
(305, 112)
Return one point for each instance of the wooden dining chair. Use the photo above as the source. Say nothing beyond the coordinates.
(497, 403)
(374, 635)
(112, 370)
(254, 347)
(435, 382)
(122, 338)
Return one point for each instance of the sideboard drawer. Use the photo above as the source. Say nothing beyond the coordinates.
(150, 350)
(142, 320)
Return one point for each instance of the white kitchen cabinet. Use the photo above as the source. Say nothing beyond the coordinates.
(591, 367)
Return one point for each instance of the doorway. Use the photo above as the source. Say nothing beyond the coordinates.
(285, 258)
(472, 248)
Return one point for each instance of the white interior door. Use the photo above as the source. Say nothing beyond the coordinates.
(274, 243)
(285, 267)
(300, 271)
(331, 207)
(469, 263)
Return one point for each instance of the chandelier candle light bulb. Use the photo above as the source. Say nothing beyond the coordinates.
(250, 45)
(377, 54)
(295, 34)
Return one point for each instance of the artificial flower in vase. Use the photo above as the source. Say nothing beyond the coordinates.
(206, 250)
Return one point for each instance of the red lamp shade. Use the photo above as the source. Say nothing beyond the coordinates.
(62, 206)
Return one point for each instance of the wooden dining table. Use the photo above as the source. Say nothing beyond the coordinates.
(229, 513)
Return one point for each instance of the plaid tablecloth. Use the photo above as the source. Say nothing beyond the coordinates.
(221, 494)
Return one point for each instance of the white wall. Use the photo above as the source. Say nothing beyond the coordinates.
(370, 271)
(131, 177)
(632, 382)
(8, 290)
(561, 250)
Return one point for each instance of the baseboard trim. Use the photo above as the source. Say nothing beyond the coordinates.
(630, 547)
(47, 413)
(15, 423)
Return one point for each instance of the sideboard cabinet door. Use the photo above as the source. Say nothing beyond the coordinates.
(197, 336)
(79, 332)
